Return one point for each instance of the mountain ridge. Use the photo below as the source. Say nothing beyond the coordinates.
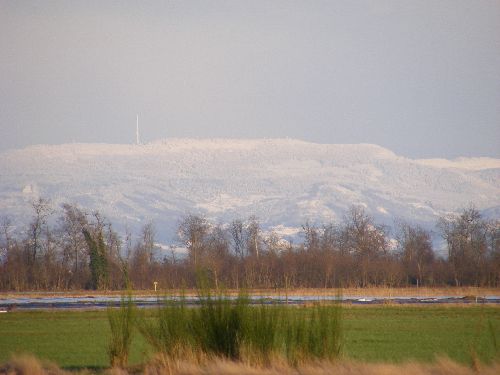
(283, 182)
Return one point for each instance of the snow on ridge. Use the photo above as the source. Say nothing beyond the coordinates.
(467, 163)
(284, 182)
(223, 143)
(184, 144)
(169, 145)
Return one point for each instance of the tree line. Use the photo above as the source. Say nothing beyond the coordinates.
(81, 250)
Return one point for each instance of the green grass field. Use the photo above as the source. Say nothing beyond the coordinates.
(371, 333)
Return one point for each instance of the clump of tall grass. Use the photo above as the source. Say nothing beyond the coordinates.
(219, 324)
(312, 333)
(325, 332)
(237, 330)
(121, 323)
(170, 330)
(260, 333)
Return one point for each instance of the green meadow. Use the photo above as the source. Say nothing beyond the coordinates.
(79, 339)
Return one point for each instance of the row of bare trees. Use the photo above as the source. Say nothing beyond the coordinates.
(80, 250)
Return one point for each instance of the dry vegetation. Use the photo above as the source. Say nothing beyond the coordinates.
(29, 365)
(441, 367)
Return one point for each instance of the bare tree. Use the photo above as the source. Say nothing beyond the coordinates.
(312, 237)
(148, 240)
(466, 238)
(42, 210)
(494, 252)
(217, 252)
(415, 249)
(236, 229)
(365, 241)
(143, 257)
(72, 241)
(193, 231)
(253, 237)
(6, 229)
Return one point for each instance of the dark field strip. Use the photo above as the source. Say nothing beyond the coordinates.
(76, 339)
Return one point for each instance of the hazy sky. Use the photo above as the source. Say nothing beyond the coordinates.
(419, 77)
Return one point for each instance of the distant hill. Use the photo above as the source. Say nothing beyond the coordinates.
(283, 182)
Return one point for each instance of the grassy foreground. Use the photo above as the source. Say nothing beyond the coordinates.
(393, 334)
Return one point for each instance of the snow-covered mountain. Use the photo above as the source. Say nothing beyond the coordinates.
(283, 182)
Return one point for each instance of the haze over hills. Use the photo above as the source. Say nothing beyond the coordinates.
(283, 182)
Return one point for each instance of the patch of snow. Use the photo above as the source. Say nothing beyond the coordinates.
(28, 189)
(393, 244)
(285, 231)
(382, 210)
(472, 164)
(168, 250)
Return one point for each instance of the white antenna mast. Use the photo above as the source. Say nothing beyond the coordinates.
(137, 139)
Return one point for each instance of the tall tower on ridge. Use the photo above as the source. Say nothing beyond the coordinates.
(137, 139)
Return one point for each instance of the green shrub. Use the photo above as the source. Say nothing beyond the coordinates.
(121, 322)
(260, 332)
(170, 329)
(219, 324)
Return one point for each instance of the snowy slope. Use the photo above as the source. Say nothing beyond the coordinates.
(281, 181)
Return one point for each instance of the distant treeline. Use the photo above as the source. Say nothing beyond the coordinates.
(82, 251)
